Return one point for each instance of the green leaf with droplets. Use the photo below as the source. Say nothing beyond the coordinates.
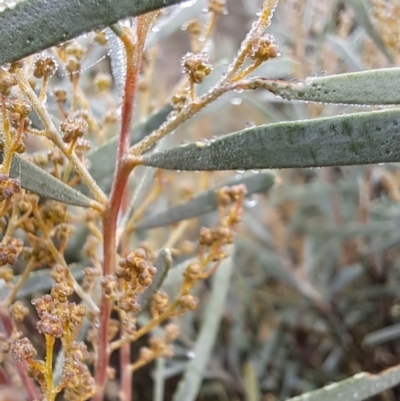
(360, 387)
(360, 138)
(374, 87)
(103, 159)
(34, 25)
(206, 201)
(39, 181)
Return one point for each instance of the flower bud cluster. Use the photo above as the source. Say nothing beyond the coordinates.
(73, 128)
(56, 312)
(264, 48)
(136, 271)
(160, 347)
(133, 276)
(8, 187)
(44, 66)
(76, 377)
(196, 66)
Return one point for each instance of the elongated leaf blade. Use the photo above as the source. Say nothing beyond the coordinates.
(206, 202)
(189, 386)
(173, 22)
(39, 181)
(359, 387)
(103, 159)
(374, 87)
(34, 25)
(162, 264)
(362, 16)
(360, 138)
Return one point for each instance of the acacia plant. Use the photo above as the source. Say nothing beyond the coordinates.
(77, 180)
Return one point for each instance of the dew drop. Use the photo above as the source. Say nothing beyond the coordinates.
(190, 354)
(236, 101)
(250, 124)
(240, 171)
(250, 202)
(30, 39)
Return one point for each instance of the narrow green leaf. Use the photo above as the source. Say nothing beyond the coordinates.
(39, 181)
(175, 275)
(382, 336)
(360, 138)
(159, 380)
(374, 87)
(206, 201)
(174, 21)
(117, 61)
(251, 383)
(145, 181)
(361, 15)
(357, 388)
(264, 355)
(346, 52)
(162, 264)
(34, 25)
(192, 379)
(103, 159)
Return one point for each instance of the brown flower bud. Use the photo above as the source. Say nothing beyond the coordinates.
(189, 302)
(44, 66)
(217, 6)
(196, 66)
(264, 48)
(7, 81)
(73, 128)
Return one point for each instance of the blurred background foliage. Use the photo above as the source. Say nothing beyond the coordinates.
(314, 296)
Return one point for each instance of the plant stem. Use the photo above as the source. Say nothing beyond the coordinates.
(173, 123)
(134, 56)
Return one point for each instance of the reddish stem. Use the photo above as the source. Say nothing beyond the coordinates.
(28, 383)
(111, 215)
